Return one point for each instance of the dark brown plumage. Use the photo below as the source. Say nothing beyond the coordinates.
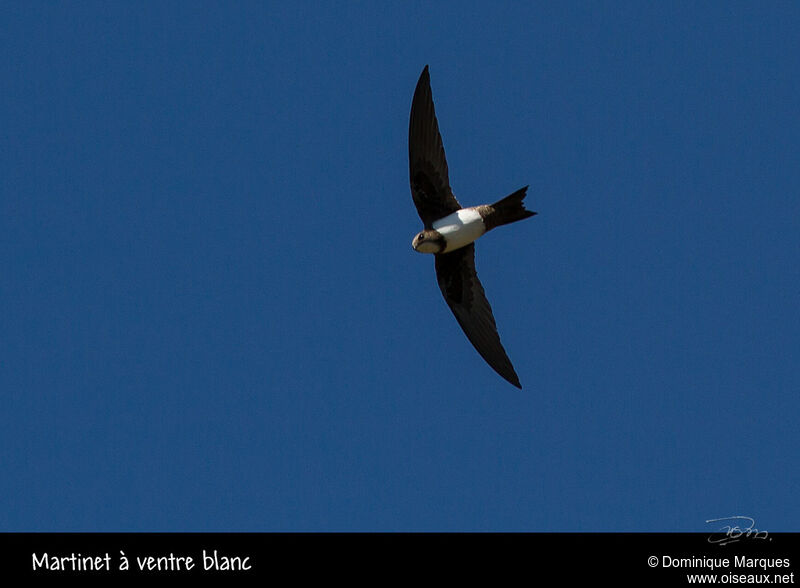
(434, 199)
(430, 184)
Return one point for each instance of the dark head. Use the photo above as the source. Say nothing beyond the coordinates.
(429, 241)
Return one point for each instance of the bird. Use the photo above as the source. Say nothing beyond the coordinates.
(450, 231)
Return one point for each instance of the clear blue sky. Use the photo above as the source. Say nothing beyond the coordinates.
(212, 318)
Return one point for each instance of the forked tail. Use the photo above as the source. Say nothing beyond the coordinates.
(508, 210)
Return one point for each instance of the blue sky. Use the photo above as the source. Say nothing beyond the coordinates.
(212, 318)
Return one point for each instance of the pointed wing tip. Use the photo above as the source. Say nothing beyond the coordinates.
(425, 75)
(423, 86)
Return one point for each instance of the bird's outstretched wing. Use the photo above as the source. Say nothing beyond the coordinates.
(430, 185)
(455, 272)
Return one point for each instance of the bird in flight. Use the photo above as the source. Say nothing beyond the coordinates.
(450, 230)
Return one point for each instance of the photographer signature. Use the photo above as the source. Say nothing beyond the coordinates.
(732, 529)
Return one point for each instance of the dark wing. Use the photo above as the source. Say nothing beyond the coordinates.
(430, 185)
(464, 294)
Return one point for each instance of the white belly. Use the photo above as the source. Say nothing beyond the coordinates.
(460, 228)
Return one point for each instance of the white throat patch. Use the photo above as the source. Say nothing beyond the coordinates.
(460, 228)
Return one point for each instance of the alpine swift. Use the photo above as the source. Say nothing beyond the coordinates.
(450, 230)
